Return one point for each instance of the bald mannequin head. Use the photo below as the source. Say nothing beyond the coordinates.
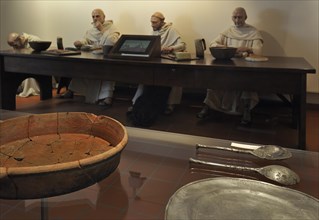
(159, 15)
(16, 41)
(12, 37)
(98, 16)
(157, 21)
(239, 16)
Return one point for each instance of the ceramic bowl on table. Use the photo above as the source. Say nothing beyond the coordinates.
(52, 154)
(223, 53)
(39, 45)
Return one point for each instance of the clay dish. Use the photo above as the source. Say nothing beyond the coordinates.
(52, 154)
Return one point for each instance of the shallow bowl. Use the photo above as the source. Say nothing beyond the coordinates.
(39, 45)
(223, 53)
(52, 154)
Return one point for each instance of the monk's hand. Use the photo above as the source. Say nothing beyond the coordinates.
(244, 49)
(98, 25)
(167, 49)
(77, 44)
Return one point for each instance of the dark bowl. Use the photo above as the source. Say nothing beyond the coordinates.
(40, 45)
(223, 53)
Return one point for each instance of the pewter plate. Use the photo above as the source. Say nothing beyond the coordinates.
(225, 198)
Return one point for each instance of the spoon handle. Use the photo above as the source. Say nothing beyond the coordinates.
(222, 165)
(223, 148)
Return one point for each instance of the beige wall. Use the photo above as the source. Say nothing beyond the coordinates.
(289, 28)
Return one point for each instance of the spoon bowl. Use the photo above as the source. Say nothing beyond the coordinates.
(271, 152)
(279, 174)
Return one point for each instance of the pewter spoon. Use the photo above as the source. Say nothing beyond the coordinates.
(276, 173)
(269, 152)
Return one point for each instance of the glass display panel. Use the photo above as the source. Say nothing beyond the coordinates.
(134, 46)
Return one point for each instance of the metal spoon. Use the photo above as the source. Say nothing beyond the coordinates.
(269, 152)
(276, 173)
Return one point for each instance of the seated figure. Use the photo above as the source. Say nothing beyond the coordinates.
(17, 41)
(248, 40)
(171, 41)
(102, 33)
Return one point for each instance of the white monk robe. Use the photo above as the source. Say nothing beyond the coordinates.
(231, 101)
(29, 86)
(95, 90)
(169, 38)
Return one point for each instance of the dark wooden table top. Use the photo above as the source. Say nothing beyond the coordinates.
(291, 64)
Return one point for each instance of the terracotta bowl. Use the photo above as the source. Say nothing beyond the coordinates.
(52, 154)
(40, 45)
(223, 53)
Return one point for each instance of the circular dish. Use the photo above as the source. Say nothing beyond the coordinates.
(227, 198)
(223, 53)
(39, 45)
(52, 154)
(256, 58)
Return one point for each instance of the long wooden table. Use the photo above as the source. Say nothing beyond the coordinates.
(277, 75)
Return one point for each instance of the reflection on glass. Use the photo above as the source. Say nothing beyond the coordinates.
(136, 181)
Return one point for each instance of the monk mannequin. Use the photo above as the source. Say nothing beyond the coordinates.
(171, 41)
(17, 41)
(248, 40)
